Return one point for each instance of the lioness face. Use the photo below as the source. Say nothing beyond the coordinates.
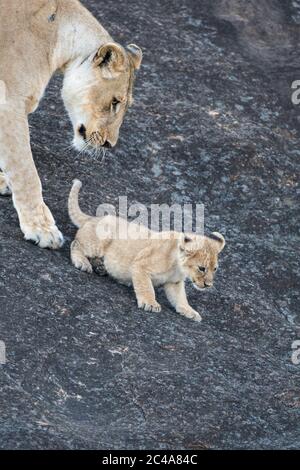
(199, 257)
(97, 94)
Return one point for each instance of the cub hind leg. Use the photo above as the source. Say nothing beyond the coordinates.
(79, 258)
(4, 187)
(99, 266)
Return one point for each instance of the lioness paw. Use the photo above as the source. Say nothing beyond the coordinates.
(44, 237)
(149, 307)
(39, 227)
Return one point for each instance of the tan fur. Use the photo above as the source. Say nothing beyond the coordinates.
(146, 262)
(37, 38)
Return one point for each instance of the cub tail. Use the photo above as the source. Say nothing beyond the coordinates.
(76, 215)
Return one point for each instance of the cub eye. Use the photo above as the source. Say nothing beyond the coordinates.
(115, 102)
(201, 269)
(215, 269)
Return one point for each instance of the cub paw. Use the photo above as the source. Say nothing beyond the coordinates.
(83, 265)
(191, 314)
(4, 188)
(196, 317)
(149, 307)
(98, 266)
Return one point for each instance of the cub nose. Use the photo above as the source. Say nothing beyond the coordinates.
(82, 131)
(107, 145)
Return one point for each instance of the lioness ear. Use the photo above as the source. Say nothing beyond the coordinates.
(111, 59)
(136, 55)
(219, 239)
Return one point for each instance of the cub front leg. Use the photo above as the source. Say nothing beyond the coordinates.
(79, 258)
(16, 161)
(144, 290)
(177, 297)
(4, 188)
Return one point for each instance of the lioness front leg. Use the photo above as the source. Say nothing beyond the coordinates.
(177, 297)
(144, 290)
(16, 161)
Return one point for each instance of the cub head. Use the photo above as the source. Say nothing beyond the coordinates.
(97, 93)
(199, 258)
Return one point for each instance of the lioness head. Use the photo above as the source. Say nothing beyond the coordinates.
(97, 92)
(199, 258)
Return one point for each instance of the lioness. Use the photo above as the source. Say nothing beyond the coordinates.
(37, 38)
(133, 254)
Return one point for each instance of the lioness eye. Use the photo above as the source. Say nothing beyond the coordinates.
(201, 269)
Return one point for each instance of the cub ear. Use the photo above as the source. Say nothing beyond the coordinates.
(186, 244)
(135, 54)
(186, 239)
(219, 239)
(111, 59)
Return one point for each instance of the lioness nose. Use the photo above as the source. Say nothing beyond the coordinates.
(107, 144)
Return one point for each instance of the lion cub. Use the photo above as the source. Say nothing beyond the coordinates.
(148, 260)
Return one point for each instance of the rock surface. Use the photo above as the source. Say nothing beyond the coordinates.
(212, 123)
